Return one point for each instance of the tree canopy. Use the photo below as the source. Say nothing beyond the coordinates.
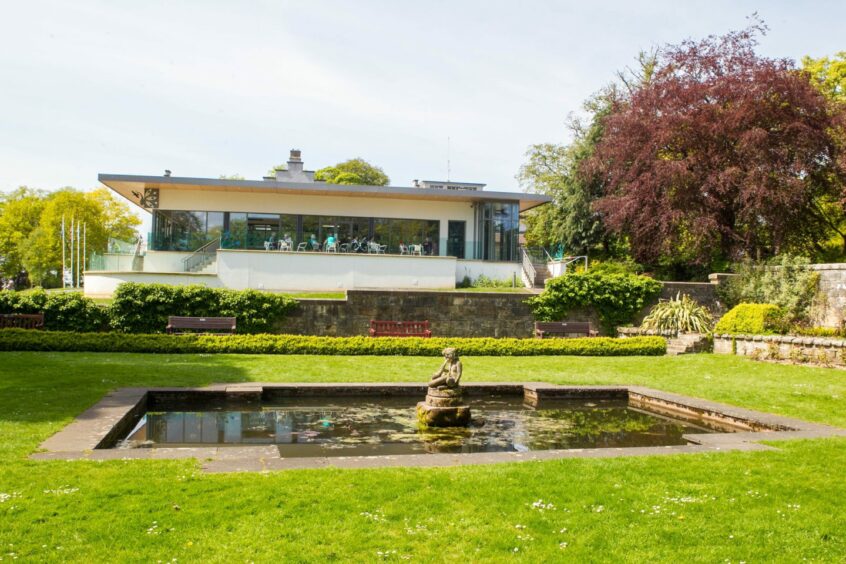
(721, 153)
(31, 224)
(829, 75)
(353, 171)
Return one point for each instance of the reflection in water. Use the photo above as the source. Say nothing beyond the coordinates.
(372, 426)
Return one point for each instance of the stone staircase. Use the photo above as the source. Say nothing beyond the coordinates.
(686, 343)
(541, 274)
(210, 268)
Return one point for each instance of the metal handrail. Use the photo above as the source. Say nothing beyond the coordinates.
(200, 257)
(528, 267)
(570, 260)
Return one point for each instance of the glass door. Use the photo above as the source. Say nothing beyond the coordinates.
(455, 238)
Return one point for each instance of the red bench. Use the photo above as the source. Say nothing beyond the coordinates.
(22, 321)
(399, 329)
(217, 325)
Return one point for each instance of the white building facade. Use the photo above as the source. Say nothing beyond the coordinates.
(291, 233)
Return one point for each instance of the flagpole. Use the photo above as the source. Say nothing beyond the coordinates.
(77, 254)
(71, 250)
(63, 251)
(84, 249)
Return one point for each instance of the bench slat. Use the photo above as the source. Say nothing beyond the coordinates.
(380, 328)
(22, 321)
(226, 325)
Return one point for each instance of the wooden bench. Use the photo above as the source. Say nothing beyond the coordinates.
(563, 329)
(217, 325)
(399, 329)
(22, 321)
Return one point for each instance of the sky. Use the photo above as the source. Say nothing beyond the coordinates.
(206, 88)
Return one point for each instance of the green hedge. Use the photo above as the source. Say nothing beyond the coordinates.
(616, 296)
(69, 311)
(23, 340)
(144, 308)
(753, 319)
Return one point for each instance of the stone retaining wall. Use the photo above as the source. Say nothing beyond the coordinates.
(783, 347)
(450, 314)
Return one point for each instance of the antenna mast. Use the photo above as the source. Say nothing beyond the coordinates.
(448, 162)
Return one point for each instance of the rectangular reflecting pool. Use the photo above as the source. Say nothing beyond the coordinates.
(327, 426)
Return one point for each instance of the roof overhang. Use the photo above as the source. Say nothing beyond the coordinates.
(132, 188)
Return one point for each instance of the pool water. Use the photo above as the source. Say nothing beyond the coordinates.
(356, 426)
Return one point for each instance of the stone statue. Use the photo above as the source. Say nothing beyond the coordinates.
(444, 405)
(449, 374)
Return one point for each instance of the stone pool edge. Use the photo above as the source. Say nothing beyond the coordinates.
(108, 418)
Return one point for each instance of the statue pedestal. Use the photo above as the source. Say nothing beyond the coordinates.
(444, 407)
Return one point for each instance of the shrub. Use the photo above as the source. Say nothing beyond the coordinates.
(786, 281)
(753, 319)
(23, 340)
(144, 308)
(66, 311)
(615, 295)
(680, 314)
(483, 281)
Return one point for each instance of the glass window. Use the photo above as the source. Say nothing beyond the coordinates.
(498, 230)
(262, 228)
(235, 233)
(311, 231)
(214, 229)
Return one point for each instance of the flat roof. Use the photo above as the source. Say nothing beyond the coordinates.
(128, 184)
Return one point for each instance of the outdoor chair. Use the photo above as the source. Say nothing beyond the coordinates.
(284, 246)
(345, 247)
(331, 248)
(404, 250)
(302, 247)
(417, 250)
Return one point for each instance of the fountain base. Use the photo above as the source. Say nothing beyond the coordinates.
(444, 407)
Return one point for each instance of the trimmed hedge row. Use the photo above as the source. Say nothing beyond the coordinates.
(23, 340)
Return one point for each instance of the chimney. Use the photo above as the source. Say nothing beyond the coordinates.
(295, 162)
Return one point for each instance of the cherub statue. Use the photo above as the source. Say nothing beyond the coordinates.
(449, 373)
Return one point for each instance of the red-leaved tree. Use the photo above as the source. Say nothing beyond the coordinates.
(720, 154)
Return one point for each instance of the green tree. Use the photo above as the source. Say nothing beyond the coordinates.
(19, 214)
(31, 228)
(558, 171)
(353, 171)
(555, 170)
(829, 75)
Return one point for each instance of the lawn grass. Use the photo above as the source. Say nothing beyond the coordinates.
(784, 505)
